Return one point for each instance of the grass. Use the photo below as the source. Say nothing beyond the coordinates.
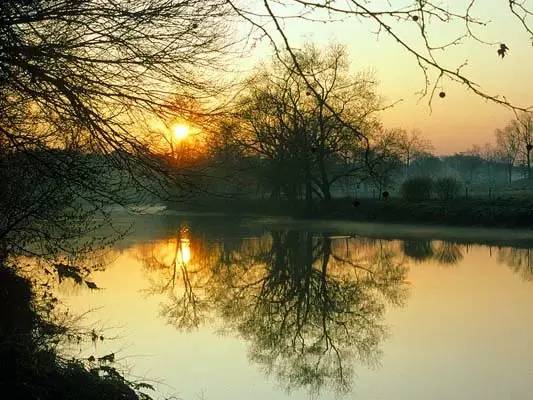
(503, 211)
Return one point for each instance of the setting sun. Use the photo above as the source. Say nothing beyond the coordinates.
(180, 131)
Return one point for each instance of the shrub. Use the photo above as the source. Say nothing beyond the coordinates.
(419, 188)
(447, 188)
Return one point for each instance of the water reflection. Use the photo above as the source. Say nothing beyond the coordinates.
(519, 260)
(309, 305)
(443, 252)
(311, 309)
(308, 310)
(179, 276)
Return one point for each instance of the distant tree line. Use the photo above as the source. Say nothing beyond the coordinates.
(284, 141)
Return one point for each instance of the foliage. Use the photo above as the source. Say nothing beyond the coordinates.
(447, 188)
(417, 189)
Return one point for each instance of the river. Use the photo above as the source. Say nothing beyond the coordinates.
(219, 308)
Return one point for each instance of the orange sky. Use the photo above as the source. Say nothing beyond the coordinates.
(461, 119)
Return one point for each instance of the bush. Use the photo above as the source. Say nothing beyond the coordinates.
(417, 188)
(447, 188)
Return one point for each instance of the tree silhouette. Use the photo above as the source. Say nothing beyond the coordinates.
(81, 85)
(301, 141)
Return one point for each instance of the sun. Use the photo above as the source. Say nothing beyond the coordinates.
(180, 131)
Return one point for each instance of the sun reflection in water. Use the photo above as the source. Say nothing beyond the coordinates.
(183, 253)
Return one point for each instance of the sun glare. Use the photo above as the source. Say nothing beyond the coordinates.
(180, 131)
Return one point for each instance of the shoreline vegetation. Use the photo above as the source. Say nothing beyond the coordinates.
(33, 367)
(474, 212)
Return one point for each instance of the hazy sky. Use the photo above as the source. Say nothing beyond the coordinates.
(462, 119)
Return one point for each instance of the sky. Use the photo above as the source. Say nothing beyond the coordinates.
(462, 119)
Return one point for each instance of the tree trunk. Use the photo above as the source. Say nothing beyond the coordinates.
(529, 164)
(325, 186)
(326, 192)
(308, 196)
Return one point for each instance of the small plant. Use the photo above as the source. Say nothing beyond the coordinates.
(447, 188)
(417, 189)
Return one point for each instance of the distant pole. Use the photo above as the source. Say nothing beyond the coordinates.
(466, 192)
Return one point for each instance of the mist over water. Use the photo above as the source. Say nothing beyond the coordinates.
(220, 308)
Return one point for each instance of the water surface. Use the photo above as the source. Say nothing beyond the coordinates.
(218, 308)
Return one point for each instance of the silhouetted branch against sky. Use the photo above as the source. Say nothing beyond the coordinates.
(441, 25)
(93, 76)
(99, 72)
(106, 65)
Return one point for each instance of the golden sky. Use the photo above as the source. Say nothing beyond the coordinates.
(462, 119)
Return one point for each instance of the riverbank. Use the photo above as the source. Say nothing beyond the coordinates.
(476, 212)
(31, 366)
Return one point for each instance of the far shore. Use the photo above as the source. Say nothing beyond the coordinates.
(164, 223)
(476, 212)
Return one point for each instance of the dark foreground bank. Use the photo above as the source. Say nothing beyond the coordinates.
(500, 212)
(31, 366)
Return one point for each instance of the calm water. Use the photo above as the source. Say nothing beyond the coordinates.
(214, 308)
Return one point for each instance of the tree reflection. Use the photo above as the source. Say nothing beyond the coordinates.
(418, 250)
(310, 312)
(519, 260)
(443, 252)
(178, 278)
(310, 306)
(448, 253)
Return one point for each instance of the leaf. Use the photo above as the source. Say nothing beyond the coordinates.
(91, 285)
(502, 51)
(68, 271)
(107, 358)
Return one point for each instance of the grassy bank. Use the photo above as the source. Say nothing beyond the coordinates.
(499, 212)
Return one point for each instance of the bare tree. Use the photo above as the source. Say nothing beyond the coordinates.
(523, 129)
(385, 159)
(507, 148)
(82, 83)
(302, 139)
(413, 145)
